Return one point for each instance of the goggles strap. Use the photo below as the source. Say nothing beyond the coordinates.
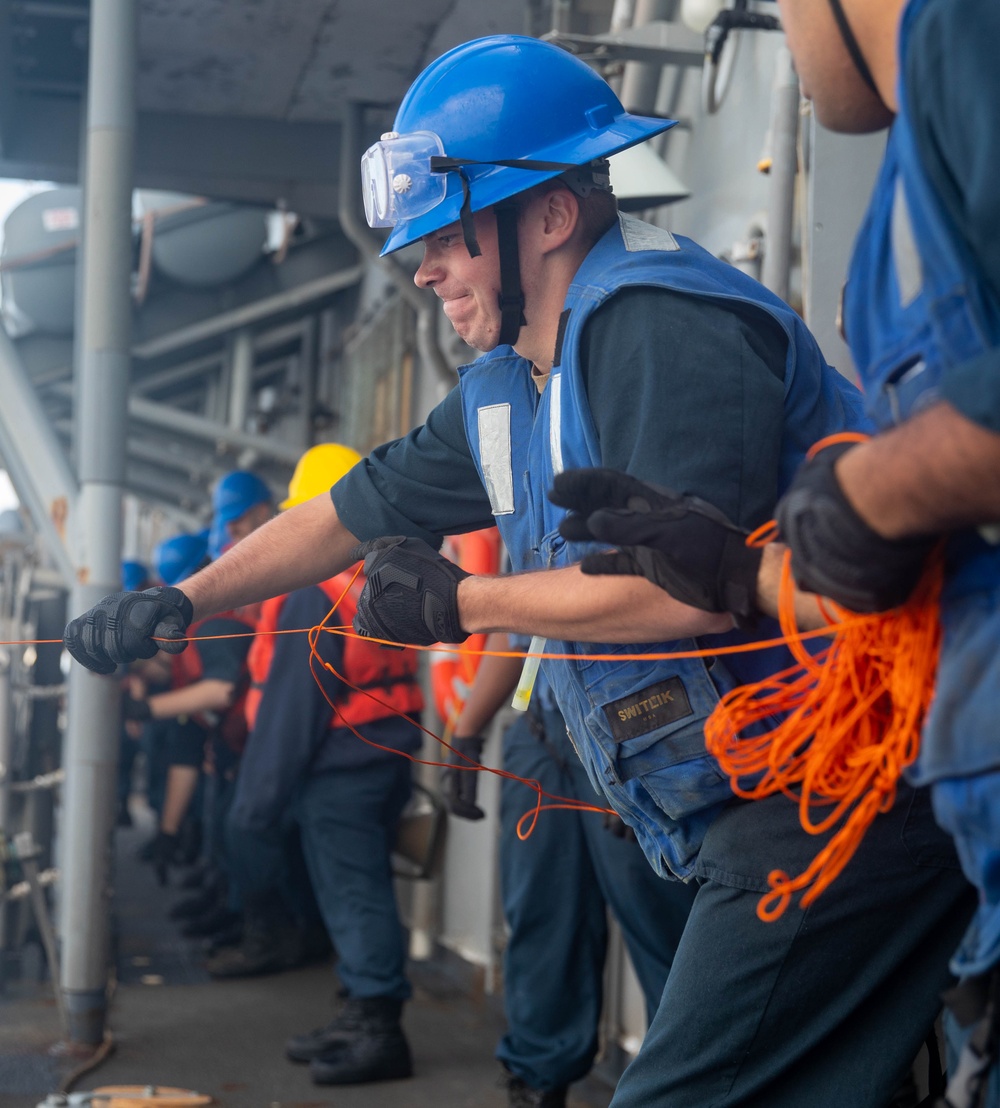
(511, 295)
(443, 164)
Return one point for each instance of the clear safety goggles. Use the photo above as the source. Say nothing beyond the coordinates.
(398, 178)
(405, 176)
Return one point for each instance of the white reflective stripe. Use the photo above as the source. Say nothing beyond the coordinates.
(495, 457)
(555, 423)
(905, 256)
(644, 236)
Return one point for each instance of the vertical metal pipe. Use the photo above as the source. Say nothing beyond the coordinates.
(784, 164)
(240, 378)
(641, 80)
(622, 14)
(91, 752)
(6, 749)
(562, 15)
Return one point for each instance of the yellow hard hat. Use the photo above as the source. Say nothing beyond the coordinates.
(320, 467)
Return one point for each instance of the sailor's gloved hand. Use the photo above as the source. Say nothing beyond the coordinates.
(135, 710)
(834, 552)
(122, 627)
(679, 542)
(163, 854)
(411, 594)
(615, 825)
(459, 786)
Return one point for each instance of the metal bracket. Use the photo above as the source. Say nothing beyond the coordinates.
(657, 43)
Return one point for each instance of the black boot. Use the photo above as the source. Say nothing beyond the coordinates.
(365, 1043)
(227, 937)
(163, 855)
(267, 947)
(522, 1095)
(210, 923)
(196, 905)
(346, 1025)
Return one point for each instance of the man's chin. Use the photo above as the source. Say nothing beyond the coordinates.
(483, 343)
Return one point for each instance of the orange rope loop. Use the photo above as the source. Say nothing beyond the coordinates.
(851, 724)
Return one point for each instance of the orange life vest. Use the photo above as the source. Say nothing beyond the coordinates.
(389, 674)
(452, 671)
(186, 669)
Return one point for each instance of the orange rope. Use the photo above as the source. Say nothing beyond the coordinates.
(851, 716)
(851, 724)
(472, 766)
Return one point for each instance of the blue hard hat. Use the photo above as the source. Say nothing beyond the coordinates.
(507, 98)
(237, 493)
(218, 539)
(179, 557)
(134, 576)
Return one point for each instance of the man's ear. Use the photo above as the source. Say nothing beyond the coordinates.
(560, 216)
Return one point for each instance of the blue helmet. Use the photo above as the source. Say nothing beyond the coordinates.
(498, 115)
(218, 539)
(237, 493)
(134, 576)
(179, 557)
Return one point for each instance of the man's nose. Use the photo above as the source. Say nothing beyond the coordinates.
(428, 273)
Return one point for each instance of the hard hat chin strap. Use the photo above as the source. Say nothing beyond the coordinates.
(511, 295)
(465, 218)
(852, 46)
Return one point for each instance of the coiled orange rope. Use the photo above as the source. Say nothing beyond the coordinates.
(851, 724)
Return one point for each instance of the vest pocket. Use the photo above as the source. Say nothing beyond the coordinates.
(651, 718)
(687, 787)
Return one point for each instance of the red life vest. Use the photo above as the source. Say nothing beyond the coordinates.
(390, 675)
(186, 669)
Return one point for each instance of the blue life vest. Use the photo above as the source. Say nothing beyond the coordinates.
(911, 312)
(913, 309)
(637, 725)
(915, 306)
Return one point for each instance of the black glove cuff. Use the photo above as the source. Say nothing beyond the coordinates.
(738, 569)
(135, 710)
(471, 747)
(834, 551)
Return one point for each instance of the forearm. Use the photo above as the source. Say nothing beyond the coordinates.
(302, 546)
(210, 695)
(564, 604)
(495, 681)
(808, 616)
(937, 472)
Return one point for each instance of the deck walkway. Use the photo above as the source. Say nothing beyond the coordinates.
(172, 1025)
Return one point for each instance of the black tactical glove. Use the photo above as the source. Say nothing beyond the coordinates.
(135, 710)
(121, 628)
(163, 854)
(834, 552)
(411, 594)
(615, 825)
(460, 785)
(679, 542)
